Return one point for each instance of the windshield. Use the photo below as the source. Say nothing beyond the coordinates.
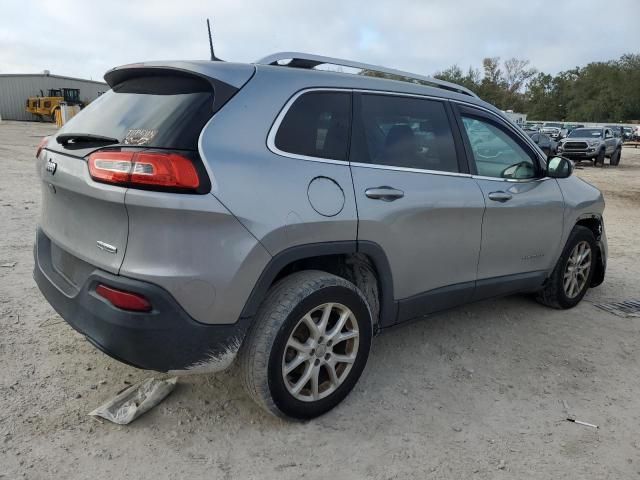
(164, 112)
(586, 132)
(555, 125)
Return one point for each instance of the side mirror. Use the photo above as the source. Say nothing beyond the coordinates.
(559, 167)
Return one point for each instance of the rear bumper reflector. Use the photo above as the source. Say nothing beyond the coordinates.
(124, 300)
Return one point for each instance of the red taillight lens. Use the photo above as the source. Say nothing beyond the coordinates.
(124, 300)
(152, 169)
(164, 169)
(41, 145)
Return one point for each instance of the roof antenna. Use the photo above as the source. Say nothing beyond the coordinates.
(213, 57)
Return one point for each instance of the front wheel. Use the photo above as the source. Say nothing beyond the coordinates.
(308, 345)
(572, 274)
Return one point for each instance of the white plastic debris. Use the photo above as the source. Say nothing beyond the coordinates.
(580, 422)
(129, 404)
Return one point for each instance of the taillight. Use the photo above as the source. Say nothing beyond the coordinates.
(111, 167)
(41, 145)
(124, 300)
(149, 169)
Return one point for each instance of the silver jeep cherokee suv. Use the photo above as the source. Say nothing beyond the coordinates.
(203, 211)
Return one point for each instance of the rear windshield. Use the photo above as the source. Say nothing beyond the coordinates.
(154, 111)
(586, 132)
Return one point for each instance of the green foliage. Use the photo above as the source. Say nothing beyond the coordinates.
(499, 85)
(599, 92)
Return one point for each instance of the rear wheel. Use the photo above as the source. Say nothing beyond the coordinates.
(615, 158)
(572, 275)
(308, 345)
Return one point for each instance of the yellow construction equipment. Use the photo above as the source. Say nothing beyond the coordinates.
(45, 106)
(66, 113)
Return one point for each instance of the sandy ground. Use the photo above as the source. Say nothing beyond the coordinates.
(472, 393)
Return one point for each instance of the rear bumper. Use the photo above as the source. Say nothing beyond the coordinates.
(164, 339)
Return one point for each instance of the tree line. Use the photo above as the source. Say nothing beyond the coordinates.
(599, 92)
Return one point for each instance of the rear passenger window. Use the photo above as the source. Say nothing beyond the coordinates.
(404, 132)
(317, 125)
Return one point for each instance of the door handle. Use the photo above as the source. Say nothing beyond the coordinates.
(386, 194)
(499, 196)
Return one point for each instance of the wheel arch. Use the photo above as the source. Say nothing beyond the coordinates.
(337, 258)
(591, 221)
(594, 223)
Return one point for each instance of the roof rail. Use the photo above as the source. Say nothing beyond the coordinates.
(306, 60)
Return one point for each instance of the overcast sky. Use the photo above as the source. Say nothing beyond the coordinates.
(86, 38)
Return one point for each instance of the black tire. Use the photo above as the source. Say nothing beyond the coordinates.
(615, 157)
(263, 350)
(553, 293)
(599, 161)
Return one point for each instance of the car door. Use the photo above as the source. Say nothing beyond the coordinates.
(522, 225)
(415, 199)
(609, 141)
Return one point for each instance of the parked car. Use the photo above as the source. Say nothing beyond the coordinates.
(594, 144)
(627, 134)
(546, 144)
(617, 130)
(200, 212)
(552, 132)
(567, 128)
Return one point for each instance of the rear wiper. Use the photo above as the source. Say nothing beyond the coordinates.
(65, 138)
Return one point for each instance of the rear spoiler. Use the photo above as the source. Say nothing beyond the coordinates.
(225, 78)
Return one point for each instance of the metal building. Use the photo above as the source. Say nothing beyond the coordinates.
(518, 118)
(16, 88)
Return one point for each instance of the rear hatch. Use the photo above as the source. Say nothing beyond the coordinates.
(77, 214)
(153, 112)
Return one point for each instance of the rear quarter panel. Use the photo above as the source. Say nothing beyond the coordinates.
(193, 247)
(269, 192)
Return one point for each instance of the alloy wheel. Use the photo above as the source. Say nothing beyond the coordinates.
(320, 352)
(577, 270)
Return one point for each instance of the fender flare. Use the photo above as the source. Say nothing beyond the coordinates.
(601, 265)
(388, 305)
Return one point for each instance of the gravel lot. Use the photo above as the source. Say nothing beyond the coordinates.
(472, 393)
